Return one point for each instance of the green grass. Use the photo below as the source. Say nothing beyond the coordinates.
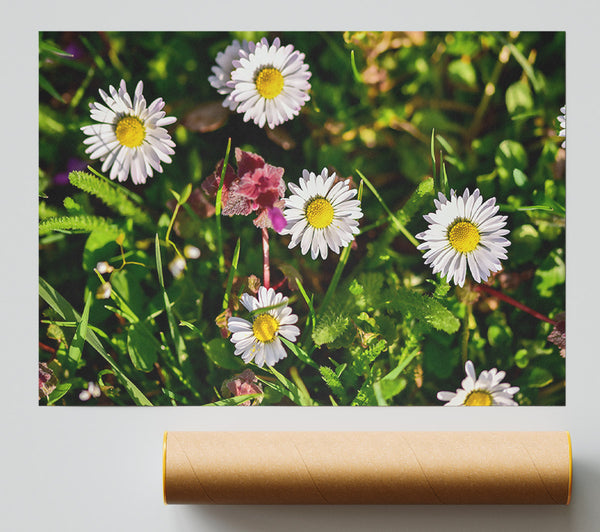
(408, 115)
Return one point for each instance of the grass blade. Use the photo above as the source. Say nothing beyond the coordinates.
(299, 352)
(76, 348)
(68, 313)
(234, 266)
(218, 208)
(355, 71)
(397, 224)
(232, 401)
(178, 342)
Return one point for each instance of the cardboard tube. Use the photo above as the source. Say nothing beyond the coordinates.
(367, 467)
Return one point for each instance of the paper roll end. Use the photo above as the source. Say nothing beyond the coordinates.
(570, 467)
(164, 467)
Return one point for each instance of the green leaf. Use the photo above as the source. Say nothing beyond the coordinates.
(288, 388)
(333, 381)
(233, 401)
(232, 272)
(330, 325)
(462, 72)
(550, 273)
(142, 347)
(423, 195)
(539, 377)
(75, 224)
(50, 47)
(439, 358)
(519, 98)
(220, 352)
(432, 148)
(362, 358)
(299, 352)
(68, 313)
(371, 290)
(76, 347)
(47, 86)
(425, 308)
(109, 193)
(355, 71)
(526, 66)
(59, 392)
(510, 155)
(99, 246)
(520, 178)
(390, 388)
(404, 362)
(525, 243)
(499, 336)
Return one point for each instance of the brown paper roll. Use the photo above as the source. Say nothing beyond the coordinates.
(367, 467)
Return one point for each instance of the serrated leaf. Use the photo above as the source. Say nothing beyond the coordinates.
(425, 308)
(329, 327)
(371, 295)
(75, 224)
(362, 358)
(113, 195)
(333, 381)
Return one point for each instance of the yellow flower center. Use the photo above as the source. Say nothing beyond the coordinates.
(319, 213)
(130, 131)
(479, 398)
(269, 83)
(464, 236)
(264, 328)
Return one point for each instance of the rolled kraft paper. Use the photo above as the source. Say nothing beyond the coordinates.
(367, 467)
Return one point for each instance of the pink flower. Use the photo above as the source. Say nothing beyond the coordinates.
(243, 384)
(257, 186)
(47, 380)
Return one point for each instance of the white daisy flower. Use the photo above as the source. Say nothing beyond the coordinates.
(464, 230)
(321, 215)
(259, 340)
(130, 137)
(222, 71)
(270, 83)
(562, 119)
(487, 390)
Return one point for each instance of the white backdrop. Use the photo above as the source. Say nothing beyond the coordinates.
(91, 469)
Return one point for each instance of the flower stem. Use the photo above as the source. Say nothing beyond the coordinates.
(513, 302)
(218, 207)
(266, 266)
(466, 333)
